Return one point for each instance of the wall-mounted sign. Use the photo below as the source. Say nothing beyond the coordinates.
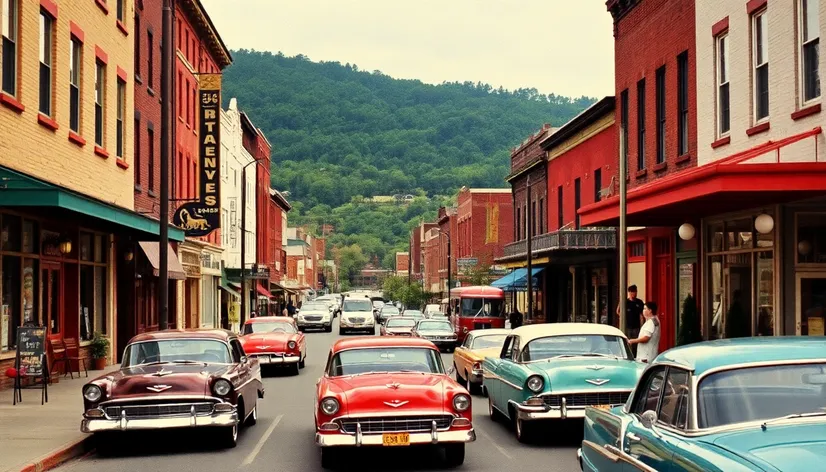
(259, 272)
(199, 218)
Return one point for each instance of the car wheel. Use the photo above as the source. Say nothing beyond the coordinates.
(228, 437)
(329, 458)
(295, 369)
(459, 378)
(253, 417)
(105, 444)
(329, 329)
(341, 331)
(455, 454)
(303, 362)
(472, 388)
(495, 415)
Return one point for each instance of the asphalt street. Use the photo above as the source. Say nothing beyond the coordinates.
(283, 438)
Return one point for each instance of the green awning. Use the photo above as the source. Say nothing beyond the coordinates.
(20, 190)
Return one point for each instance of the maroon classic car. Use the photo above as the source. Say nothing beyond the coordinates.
(177, 379)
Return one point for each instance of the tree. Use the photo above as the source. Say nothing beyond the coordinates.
(351, 261)
(689, 323)
(394, 288)
(478, 274)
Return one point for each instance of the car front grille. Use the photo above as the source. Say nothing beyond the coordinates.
(587, 399)
(441, 338)
(395, 424)
(481, 325)
(159, 411)
(312, 318)
(356, 320)
(266, 354)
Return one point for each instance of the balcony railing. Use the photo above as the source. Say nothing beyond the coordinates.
(583, 239)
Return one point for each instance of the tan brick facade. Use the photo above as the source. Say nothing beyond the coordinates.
(29, 143)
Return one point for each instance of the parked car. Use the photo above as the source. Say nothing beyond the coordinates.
(388, 311)
(398, 326)
(329, 300)
(176, 379)
(430, 308)
(356, 315)
(315, 315)
(748, 404)
(275, 341)
(468, 358)
(415, 314)
(553, 371)
(436, 315)
(390, 391)
(439, 333)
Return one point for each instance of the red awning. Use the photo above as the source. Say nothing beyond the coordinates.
(263, 291)
(752, 178)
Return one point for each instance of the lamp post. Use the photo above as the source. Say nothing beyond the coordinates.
(167, 140)
(244, 293)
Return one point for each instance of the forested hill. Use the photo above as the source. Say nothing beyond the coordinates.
(339, 132)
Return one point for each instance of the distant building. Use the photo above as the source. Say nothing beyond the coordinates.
(417, 241)
(485, 225)
(402, 264)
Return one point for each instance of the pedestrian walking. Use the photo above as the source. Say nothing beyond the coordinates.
(515, 318)
(648, 342)
(633, 313)
(290, 308)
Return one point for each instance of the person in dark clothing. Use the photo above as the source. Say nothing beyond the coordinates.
(633, 314)
(516, 318)
(290, 308)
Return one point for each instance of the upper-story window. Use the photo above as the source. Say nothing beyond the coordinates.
(559, 207)
(100, 93)
(10, 36)
(661, 115)
(597, 185)
(641, 124)
(810, 48)
(760, 47)
(120, 10)
(723, 99)
(137, 48)
(624, 125)
(120, 123)
(75, 63)
(46, 61)
(150, 59)
(682, 104)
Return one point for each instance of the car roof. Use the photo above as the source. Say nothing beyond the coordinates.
(196, 333)
(530, 332)
(704, 356)
(406, 318)
(488, 332)
(270, 319)
(362, 342)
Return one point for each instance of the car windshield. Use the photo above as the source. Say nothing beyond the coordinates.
(415, 313)
(390, 359)
(761, 393)
(314, 307)
(436, 314)
(483, 307)
(183, 351)
(433, 325)
(576, 345)
(389, 310)
(269, 327)
(489, 341)
(401, 323)
(357, 305)
(378, 304)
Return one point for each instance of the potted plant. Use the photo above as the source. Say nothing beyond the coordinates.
(99, 348)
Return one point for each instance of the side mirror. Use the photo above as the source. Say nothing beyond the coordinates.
(648, 418)
(451, 371)
(244, 359)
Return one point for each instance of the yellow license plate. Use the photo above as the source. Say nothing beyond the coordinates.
(602, 407)
(397, 439)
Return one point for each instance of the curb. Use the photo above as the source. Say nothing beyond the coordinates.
(59, 456)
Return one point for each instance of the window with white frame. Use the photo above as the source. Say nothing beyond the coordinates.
(723, 98)
(760, 60)
(75, 61)
(810, 48)
(46, 60)
(9, 50)
(100, 92)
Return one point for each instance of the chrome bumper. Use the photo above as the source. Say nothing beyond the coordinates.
(476, 378)
(277, 360)
(96, 425)
(579, 458)
(358, 440)
(313, 324)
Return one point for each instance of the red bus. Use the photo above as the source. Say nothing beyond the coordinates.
(480, 307)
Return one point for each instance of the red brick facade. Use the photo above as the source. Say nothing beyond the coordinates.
(485, 223)
(448, 226)
(651, 34)
(402, 262)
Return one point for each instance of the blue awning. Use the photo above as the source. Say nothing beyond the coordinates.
(515, 281)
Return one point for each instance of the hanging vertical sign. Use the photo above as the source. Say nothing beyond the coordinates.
(201, 217)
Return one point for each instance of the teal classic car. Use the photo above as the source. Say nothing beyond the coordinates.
(748, 404)
(553, 371)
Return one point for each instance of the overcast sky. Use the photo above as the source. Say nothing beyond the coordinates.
(557, 46)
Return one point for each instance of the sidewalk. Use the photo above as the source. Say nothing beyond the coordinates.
(36, 437)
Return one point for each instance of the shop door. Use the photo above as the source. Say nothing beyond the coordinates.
(51, 298)
(662, 291)
(810, 301)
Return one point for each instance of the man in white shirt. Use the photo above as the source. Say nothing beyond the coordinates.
(648, 341)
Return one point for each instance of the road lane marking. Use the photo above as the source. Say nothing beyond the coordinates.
(495, 444)
(250, 458)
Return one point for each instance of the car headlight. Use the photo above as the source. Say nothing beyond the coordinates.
(93, 393)
(222, 387)
(461, 402)
(291, 345)
(329, 406)
(535, 383)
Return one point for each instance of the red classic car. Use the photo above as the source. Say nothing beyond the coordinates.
(176, 379)
(390, 391)
(398, 326)
(275, 340)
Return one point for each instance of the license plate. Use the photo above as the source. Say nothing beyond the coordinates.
(602, 407)
(398, 439)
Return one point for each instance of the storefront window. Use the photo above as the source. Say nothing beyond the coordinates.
(715, 237)
(812, 306)
(811, 238)
(715, 289)
(12, 229)
(86, 247)
(93, 285)
(739, 234)
(30, 236)
(765, 293)
(10, 310)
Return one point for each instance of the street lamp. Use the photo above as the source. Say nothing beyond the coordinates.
(244, 293)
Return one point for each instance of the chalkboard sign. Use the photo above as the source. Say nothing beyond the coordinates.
(31, 362)
(31, 347)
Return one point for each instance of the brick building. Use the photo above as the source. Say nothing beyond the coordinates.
(60, 264)
(402, 266)
(416, 244)
(485, 225)
(447, 233)
(200, 50)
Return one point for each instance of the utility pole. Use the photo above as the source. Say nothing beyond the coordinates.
(449, 272)
(529, 233)
(244, 293)
(623, 229)
(167, 142)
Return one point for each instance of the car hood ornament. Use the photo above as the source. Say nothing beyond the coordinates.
(596, 367)
(263, 347)
(393, 386)
(396, 403)
(159, 388)
(161, 373)
(598, 382)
